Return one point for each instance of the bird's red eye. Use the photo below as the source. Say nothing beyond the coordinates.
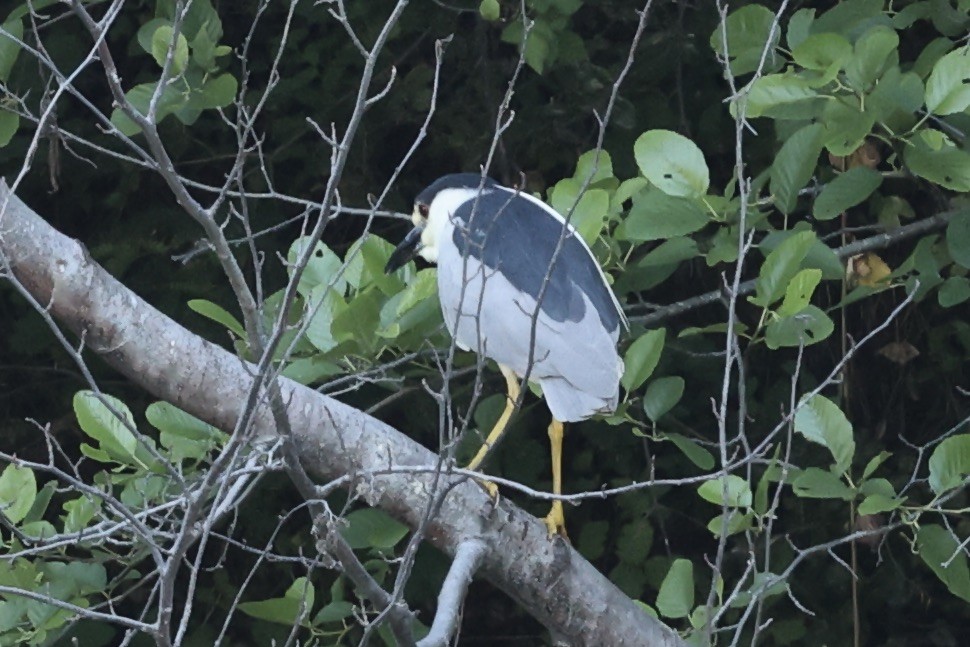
(423, 210)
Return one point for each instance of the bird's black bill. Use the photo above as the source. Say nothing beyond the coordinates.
(405, 251)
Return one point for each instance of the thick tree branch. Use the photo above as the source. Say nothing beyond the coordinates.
(468, 557)
(549, 579)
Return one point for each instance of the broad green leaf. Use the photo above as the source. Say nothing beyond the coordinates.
(808, 326)
(958, 239)
(9, 123)
(672, 163)
(822, 422)
(182, 433)
(846, 125)
(595, 165)
(947, 89)
(9, 48)
(424, 286)
(815, 483)
(18, 489)
(876, 503)
(217, 314)
(489, 10)
(656, 215)
(937, 546)
(79, 513)
(846, 191)
(820, 256)
(95, 419)
(897, 96)
(874, 51)
(849, 17)
(932, 52)
(661, 396)
(592, 539)
(822, 51)
(954, 291)
(294, 606)
(799, 27)
(693, 451)
(934, 157)
(950, 463)
(737, 522)
(161, 43)
(140, 96)
(676, 596)
(780, 268)
(874, 464)
(799, 292)
(372, 528)
(641, 358)
(794, 165)
(775, 91)
(732, 490)
(218, 92)
(634, 541)
(747, 32)
(323, 306)
(322, 268)
(589, 213)
(671, 251)
(335, 611)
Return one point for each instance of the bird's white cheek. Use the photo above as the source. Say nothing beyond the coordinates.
(429, 246)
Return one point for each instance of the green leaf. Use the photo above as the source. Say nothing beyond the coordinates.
(958, 239)
(79, 513)
(747, 34)
(642, 357)
(334, 611)
(874, 51)
(874, 464)
(822, 422)
(114, 436)
(590, 212)
(737, 521)
(182, 433)
(218, 92)
(18, 489)
(954, 291)
(815, 483)
(217, 314)
(595, 166)
(9, 48)
(737, 494)
(676, 596)
(846, 191)
(822, 51)
(937, 546)
(322, 268)
(948, 88)
(794, 165)
(162, 40)
(694, 452)
(9, 123)
(846, 125)
(808, 326)
(876, 503)
(661, 396)
(775, 91)
(780, 268)
(294, 606)
(934, 157)
(139, 97)
(489, 10)
(372, 528)
(670, 252)
(799, 292)
(672, 163)
(323, 307)
(656, 215)
(950, 463)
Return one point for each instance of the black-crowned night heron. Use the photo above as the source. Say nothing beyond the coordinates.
(520, 286)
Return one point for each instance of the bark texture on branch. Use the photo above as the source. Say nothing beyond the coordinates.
(547, 577)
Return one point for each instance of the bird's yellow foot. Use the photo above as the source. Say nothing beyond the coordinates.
(492, 490)
(556, 521)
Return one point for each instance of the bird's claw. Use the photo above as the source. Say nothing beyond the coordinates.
(556, 521)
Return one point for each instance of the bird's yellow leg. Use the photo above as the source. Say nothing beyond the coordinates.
(556, 520)
(512, 382)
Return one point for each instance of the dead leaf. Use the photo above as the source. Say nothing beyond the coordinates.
(899, 352)
(867, 269)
